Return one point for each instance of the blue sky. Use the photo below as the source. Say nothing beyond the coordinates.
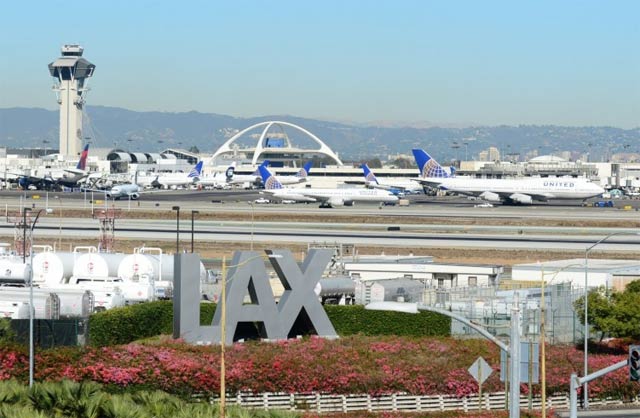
(445, 62)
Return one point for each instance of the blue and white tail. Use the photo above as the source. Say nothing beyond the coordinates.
(82, 163)
(269, 180)
(305, 170)
(428, 166)
(265, 163)
(369, 177)
(196, 171)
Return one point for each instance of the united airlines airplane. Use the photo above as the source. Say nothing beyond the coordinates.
(327, 197)
(394, 186)
(513, 191)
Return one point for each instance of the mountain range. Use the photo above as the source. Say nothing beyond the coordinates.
(154, 131)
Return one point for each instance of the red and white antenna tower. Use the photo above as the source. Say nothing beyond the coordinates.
(107, 218)
(22, 238)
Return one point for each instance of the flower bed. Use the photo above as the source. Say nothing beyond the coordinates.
(373, 365)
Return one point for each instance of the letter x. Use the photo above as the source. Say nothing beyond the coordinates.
(299, 295)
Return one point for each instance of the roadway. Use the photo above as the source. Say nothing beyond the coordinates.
(352, 233)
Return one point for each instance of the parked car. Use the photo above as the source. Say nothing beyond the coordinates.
(261, 200)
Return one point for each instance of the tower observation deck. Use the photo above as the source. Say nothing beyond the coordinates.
(70, 72)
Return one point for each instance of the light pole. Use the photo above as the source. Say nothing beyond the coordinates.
(252, 224)
(543, 363)
(31, 309)
(193, 213)
(223, 323)
(177, 209)
(585, 387)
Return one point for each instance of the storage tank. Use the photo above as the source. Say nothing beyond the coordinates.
(74, 302)
(14, 310)
(51, 268)
(160, 267)
(12, 270)
(336, 289)
(46, 304)
(97, 265)
(107, 294)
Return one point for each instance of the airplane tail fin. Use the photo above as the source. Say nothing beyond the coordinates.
(427, 165)
(82, 164)
(265, 163)
(196, 171)
(452, 171)
(305, 170)
(230, 170)
(368, 174)
(269, 180)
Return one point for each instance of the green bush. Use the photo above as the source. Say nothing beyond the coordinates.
(130, 323)
(144, 320)
(351, 320)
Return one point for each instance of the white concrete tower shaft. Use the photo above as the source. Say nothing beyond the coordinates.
(70, 72)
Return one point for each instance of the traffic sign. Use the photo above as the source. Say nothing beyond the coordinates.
(480, 370)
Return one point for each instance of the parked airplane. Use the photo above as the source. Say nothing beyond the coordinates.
(251, 179)
(68, 177)
(396, 187)
(178, 179)
(327, 197)
(299, 177)
(511, 191)
(218, 180)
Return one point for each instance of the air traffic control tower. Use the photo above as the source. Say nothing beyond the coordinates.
(70, 72)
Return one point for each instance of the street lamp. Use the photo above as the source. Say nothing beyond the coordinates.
(543, 363)
(177, 209)
(31, 310)
(193, 213)
(223, 322)
(585, 387)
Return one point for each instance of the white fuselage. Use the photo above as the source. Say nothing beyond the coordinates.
(405, 185)
(538, 188)
(334, 196)
(174, 179)
(124, 191)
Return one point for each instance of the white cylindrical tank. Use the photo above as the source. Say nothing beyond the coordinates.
(97, 265)
(51, 268)
(12, 270)
(106, 294)
(74, 302)
(160, 267)
(14, 310)
(46, 304)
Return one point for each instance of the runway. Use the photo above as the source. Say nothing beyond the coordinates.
(380, 234)
(427, 222)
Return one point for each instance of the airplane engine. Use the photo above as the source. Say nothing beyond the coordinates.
(335, 202)
(490, 197)
(521, 198)
(134, 196)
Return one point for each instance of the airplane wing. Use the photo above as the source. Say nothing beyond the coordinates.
(429, 181)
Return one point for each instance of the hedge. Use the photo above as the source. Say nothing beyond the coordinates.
(131, 323)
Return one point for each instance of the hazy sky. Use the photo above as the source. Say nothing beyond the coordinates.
(446, 62)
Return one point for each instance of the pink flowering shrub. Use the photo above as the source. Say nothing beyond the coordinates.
(375, 365)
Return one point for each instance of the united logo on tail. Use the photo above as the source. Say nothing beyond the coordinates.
(305, 170)
(368, 174)
(427, 165)
(270, 182)
(196, 171)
